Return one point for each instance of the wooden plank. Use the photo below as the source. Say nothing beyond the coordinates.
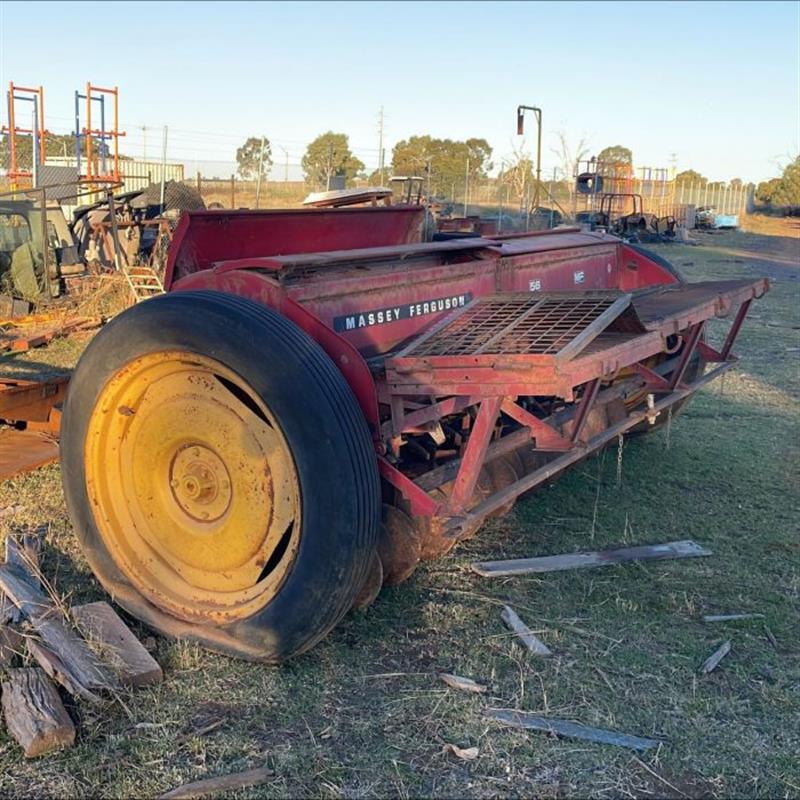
(119, 648)
(59, 650)
(34, 713)
(729, 617)
(712, 662)
(526, 635)
(601, 558)
(11, 642)
(560, 727)
(23, 549)
(223, 783)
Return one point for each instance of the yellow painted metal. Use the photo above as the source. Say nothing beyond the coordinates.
(192, 486)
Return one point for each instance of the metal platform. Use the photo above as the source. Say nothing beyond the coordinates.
(521, 344)
(557, 325)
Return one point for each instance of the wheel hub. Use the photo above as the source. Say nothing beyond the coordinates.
(193, 487)
(200, 483)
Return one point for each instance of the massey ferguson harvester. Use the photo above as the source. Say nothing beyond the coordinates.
(320, 400)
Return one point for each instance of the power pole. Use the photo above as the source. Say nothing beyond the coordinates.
(260, 169)
(144, 136)
(380, 145)
(466, 187)
(163, 167)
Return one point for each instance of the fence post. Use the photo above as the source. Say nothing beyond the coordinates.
(199, 184)
(233, 192)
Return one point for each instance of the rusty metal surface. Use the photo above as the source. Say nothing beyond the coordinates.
(23, 451)
(30, 401)
(519, 324)
(710, 298)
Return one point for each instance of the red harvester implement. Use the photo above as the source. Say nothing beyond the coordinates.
(320, 400)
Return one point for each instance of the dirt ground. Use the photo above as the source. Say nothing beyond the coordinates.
(363, 714)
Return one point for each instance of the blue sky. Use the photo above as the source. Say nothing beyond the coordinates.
(715, 84)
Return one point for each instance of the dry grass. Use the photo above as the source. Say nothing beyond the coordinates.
(363, 714)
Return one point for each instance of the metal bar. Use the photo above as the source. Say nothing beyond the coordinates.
(690, 343)
(447, 472)
(420, 502)
(734, 331)
(560, 463)
(45, 260)
(653, 381)
(403, 423)
(475, 454)
(547, 437)
(114, 233)
(590, 394)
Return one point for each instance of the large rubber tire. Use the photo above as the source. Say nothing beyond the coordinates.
(327, 436)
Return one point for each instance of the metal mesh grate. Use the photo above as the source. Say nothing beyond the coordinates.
(515, 325)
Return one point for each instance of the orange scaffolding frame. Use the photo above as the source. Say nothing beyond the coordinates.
(13, 130)
(90, 135)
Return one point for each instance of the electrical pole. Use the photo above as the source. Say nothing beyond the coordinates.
(163, 167)
(380, 145)
(520, 127)
(466, 187)
(144, 136)
(260, 170)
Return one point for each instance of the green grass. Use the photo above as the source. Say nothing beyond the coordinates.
(363, 715)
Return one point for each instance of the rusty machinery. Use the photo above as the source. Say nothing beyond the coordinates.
(320, 400)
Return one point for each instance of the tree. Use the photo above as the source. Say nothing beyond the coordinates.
(616, 154)
(690, 176)
(784, 191)
(449, 161)
(518, 175)
(569, 155)
(248, 158)
(328, 155)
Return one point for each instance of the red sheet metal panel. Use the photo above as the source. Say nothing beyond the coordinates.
(203, 238)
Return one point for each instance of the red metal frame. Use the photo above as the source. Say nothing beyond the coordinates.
(312, 267)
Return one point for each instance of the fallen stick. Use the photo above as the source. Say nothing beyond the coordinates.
(465, 684)
(601, 558)
(561, 727)
(727, 617)
(713, 660)
(223, 783)
(526, 635)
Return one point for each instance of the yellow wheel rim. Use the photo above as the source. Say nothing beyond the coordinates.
(193, 487)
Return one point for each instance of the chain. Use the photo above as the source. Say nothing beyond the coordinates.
(620, 440)
(669, 425)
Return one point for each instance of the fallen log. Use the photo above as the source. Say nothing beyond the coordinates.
(34, 713)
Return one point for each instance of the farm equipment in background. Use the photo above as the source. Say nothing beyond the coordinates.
(635, 226)
(321, 400)
(23, 242)
(707, 218)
